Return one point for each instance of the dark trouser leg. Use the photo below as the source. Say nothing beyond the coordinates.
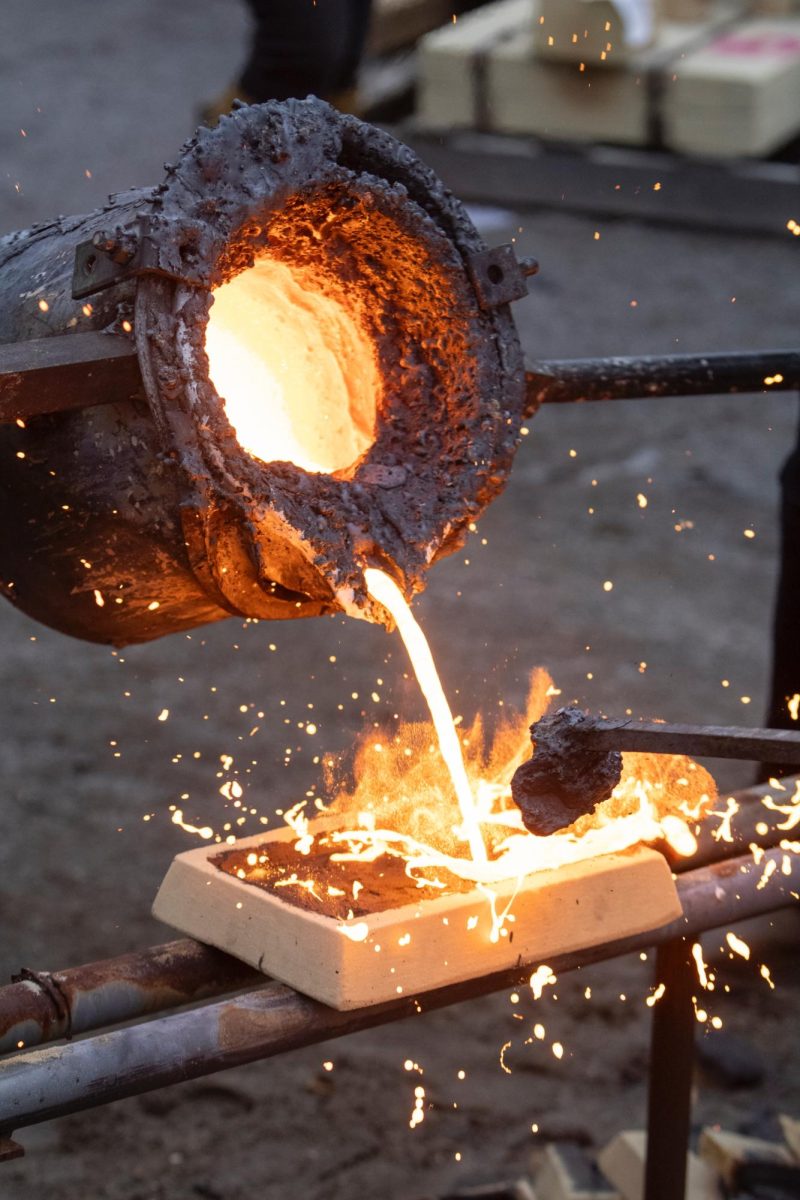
(300, 48)
(786, 628)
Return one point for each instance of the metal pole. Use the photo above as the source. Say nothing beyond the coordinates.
(42, 1006)
(555, 381)
(73, 370)
(42, 1084)
(671, 1060)
(709, 741)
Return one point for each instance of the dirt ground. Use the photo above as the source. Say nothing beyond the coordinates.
(104, 96)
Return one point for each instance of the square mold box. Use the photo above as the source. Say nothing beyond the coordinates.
(420, 946)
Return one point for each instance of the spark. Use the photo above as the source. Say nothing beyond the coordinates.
(724, 832)
(203, 831)
(650, 1001)
(541, 978)
(792, 810)
(737, 945)
(359, 932)
(418, 1112)
(702, 970)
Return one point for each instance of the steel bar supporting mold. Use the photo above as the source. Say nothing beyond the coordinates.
(42, 1084)
(43, 1006)
(589, 379)
(669, 1099)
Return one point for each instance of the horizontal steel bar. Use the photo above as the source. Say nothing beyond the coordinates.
(42, 1006)
(42, 1084)
(588, 379)
(73, 370)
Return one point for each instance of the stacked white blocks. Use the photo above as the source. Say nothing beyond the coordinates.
(721, 86)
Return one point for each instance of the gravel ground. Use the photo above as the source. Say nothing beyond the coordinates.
(88, 770)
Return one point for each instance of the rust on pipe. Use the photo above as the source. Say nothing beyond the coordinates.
(41, 1006)
(51, 1082)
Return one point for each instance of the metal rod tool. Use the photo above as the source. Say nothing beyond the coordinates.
(577, 762)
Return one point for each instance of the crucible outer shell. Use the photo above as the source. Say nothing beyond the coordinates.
(142, 515)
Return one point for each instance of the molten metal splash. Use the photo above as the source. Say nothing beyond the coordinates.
(429, 802)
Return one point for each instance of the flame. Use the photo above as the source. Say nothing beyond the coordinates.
(403, 803)
(298, 375)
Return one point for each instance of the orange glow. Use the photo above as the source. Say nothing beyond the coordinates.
(297, 374)
(403, 803)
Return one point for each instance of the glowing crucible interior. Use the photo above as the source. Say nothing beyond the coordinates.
(296, 371)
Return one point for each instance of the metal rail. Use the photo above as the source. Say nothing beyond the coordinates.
(563, 381)
(41, 1084)
(74, 370)
(709, 741)
(43, 1006)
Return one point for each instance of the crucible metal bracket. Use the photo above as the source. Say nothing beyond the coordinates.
(111, 258)
(498, 276)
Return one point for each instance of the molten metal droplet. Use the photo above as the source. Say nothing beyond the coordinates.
(563, 780)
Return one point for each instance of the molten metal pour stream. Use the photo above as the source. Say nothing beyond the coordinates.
(384, 589)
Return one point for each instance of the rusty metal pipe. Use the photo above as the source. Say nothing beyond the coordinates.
(43, 1006)
(43, 1084)
(753, 824)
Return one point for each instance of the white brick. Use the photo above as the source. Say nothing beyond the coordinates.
(566, 1174)
(528, 96)
(590, 31)
(623, 1163)
(447, 96)
(726, 1151)
(738, 95)
(791, 1132)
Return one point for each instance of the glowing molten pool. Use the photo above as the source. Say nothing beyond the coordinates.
(297, 374)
